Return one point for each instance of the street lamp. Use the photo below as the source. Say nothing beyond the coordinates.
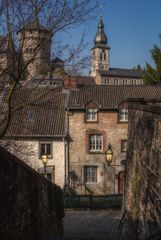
(44, 159)
(109, 157)
(109, 154)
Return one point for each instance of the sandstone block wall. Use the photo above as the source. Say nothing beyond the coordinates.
(31, 207)
(142, 199)
(36, 51)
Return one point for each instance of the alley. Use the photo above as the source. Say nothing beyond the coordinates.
(91, 225)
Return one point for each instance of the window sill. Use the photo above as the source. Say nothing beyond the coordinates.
(95, 152)
(91, 182)
(123, 121)
(91, 121)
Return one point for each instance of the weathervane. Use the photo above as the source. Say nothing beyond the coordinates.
(100, 7)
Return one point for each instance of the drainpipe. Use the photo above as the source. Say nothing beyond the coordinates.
(67, 146)
(66, 139)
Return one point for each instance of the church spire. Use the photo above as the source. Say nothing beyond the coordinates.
(100, 38)
(100, 59)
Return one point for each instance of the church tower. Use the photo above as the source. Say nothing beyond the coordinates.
(100, 53)
(35, 46)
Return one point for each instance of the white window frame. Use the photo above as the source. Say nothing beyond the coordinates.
(91, 114)
(123, 115)
(106, 81)
(45, 152)
(95, 143)
(91, 174)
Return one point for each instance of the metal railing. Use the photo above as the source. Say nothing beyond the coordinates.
(93, 202)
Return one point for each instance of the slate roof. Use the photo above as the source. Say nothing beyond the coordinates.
(110, 96)
(47, 106)
(120, 72)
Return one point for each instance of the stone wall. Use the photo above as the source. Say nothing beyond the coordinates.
(142, 199)
(36, 51)
(31, 207)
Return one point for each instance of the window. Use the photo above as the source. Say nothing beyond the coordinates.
(50, 173)
(106, 81)
(123, 145)
(90, 174)
(100, 56)
(31, 115)
(91, 115)
(45, 149)
(123, 115)
(95, 143)
(47, 175)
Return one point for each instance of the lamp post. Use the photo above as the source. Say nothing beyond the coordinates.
(109, 157)
(109, 154)
(44, 159)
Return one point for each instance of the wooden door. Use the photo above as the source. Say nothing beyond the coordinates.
(121, 180)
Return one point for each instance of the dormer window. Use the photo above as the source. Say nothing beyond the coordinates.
(91, 115)
(123, 115)
(91, 112)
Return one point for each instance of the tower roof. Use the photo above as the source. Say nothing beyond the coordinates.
(35, 26)
(100, 38)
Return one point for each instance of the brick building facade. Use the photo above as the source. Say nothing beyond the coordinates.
(97, 117)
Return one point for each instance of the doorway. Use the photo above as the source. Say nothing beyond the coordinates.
(121, 180)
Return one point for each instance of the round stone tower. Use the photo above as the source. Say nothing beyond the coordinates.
(100, 59)
(35, 46)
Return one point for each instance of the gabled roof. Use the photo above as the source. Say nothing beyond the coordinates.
(109, 96)
(120, 72)
(46, 106)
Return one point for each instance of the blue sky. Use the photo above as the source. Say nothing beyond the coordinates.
(132, 28)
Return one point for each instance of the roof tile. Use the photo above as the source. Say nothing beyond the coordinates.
(48, 106)
(109, 96)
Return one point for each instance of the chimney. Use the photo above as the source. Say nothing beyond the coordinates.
(70, 82)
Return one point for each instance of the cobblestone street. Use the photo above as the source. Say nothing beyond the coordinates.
(94, 225)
